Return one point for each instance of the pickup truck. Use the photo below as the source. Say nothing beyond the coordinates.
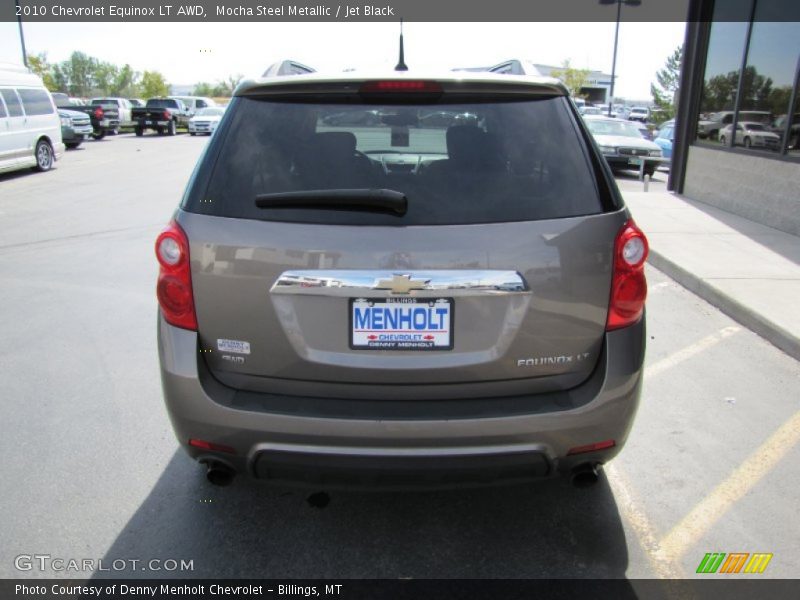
(161, 114)
(123, 105)
(103, 118)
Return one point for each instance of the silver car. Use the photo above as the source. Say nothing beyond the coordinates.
(376, 302)
(623, 144)
(750, 135)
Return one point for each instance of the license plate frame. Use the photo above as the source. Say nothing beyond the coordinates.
(402, 339)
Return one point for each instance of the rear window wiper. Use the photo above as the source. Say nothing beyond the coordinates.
(365, 200)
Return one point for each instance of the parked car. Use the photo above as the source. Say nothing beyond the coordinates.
(710, 127)
(750, 135)
(76, 127)
(164, 115)
(195, 103)
(123, 107)
(30, 130)
(664, 138)
(622, 144)
(103, 118)
(206, 120)
(639, 113)
(374, 306)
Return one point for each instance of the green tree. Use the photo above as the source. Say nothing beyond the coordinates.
(39, 65)
(227, 86)
(126, 83)
(79, 72)
(154, 85)
(60, 79)
(666, 86)
(573, 79)
(104, 76)
(204, 89)
(719, 92)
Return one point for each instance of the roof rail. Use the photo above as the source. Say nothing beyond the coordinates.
(287, 67)
(508, 67)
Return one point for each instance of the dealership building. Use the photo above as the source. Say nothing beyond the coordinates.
(740, 74)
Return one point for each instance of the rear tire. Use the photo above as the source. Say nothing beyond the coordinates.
(99, 135)
(160, 130)
(747, 142)
(722, 140)
(139, 132)
(192, 133)
(171, 129)
(44, 156)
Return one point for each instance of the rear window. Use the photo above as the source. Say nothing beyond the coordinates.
(456, 163)
(36, 102)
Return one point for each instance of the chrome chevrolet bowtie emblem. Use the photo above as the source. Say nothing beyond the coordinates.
(400, 284)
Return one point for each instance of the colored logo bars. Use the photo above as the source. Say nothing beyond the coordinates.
(736, 562)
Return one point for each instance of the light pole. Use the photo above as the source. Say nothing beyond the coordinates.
(21, 36)
(619, 4)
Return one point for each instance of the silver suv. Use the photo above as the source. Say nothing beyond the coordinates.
(399, 281)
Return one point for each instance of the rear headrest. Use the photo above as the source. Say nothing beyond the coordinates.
(335, 143)
(471, 147)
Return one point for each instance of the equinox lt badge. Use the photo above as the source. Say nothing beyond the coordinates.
(551, 360)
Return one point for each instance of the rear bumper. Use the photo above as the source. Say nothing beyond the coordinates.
(289, 440)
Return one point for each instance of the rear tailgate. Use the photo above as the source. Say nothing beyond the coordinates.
(546, 322)
(495, 282)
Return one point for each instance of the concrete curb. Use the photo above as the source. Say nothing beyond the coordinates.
(755, 322)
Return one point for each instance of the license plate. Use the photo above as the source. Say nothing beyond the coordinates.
(635, 161)
(401, 323)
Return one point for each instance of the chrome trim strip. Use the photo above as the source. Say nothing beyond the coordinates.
(380, 283)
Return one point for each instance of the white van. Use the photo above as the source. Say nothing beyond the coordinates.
(195, 103)
(30, 129)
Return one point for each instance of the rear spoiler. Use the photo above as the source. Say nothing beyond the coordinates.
(287, 67)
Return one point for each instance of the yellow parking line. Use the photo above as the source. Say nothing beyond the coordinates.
(713, 507)
(642, 528)
(690, 351)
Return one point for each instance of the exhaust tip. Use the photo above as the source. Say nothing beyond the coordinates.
(219, 474)
(585, 476)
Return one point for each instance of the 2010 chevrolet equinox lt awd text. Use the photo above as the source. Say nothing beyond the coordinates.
(399, 281)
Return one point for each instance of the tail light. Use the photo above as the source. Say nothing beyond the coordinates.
(98, 113)
(174, 288)
(165, 115)
(628, 284)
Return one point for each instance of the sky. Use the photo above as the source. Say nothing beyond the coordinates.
(187, 53)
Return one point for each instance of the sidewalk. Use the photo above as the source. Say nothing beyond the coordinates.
(749, 271)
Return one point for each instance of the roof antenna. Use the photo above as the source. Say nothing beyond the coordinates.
(401, 66)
